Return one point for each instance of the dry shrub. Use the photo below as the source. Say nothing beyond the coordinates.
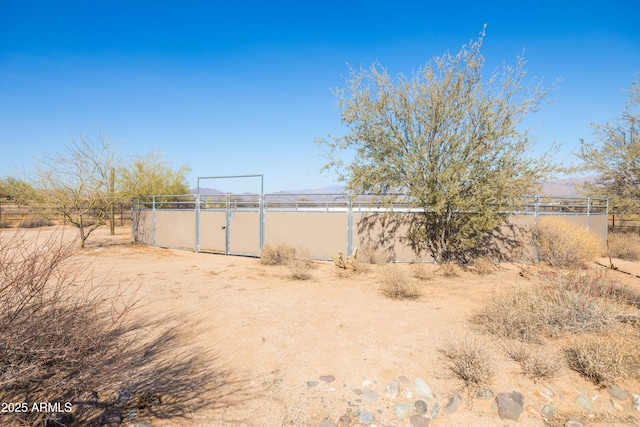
(449, 269)
(564, 244)
(421, 272)
(469, 361)
(563, 305)
(278, 254)
(35, 221)
(351, 263)
(602, 359)
(65, 338)
(300, 265)
(624, 246)
(60, 332)
(536, 363)
(371, 255)
(396, 285)
(483, 266)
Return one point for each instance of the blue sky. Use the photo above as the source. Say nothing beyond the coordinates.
(245, 87)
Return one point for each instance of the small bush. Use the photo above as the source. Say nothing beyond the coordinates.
(624, 246)
(371, 255)
(469, 361)
(279, 254)
(396, 285)
(35, 221)
(483, 266)
(564, 244)
(449, 269)
(421, 272)
(601, 359)
(567, 304)
(300, 265)
(536, 364)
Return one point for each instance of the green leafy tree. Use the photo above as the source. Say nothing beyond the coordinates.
(16, 190)
(151, 175)
(75, 183)
(615, 156)
(446, 138)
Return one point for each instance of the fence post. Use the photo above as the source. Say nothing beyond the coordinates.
(227, 223)
(588, 212)
(153, 209)
(535, 241)
(349, 225)
(197, 211)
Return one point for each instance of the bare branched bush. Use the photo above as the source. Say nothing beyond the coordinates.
(483, 266)
(602, 359)
(59, 331)
(396, 285)
(449, 269)
(564, 244)
(624, 246)
(536, 363)
(300, 265)
(371, 255)
(66, 339)
(278, 254)
(35, 221)
(422, 272)
(470, 361)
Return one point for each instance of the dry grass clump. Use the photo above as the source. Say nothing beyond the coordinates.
(602, 359)
(536, 363)
(371, 255)
(396, 285)
(569, 303)
(624, 246)
(300, 265)
(422, 272)
(564, 244)
(483, 266)
(469, 361)
(449, 269)
(278, 254)
(35, 221)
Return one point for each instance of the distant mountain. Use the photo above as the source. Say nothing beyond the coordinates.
(559, 188)
(566, 187)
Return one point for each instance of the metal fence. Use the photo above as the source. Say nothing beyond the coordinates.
(240, 224)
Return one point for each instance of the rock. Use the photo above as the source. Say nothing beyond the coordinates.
(57, 419)
(543, 395)
(391, 389)
(365, 417)
(584, 402)
(453, 404)
(357, 391)
(617, 392)
(141, 425)
(407, 393)
(345, 420)
(403, 410)
(435, 409)
(369, 395)
(418, 421)
(573, 422)
(312, 383)
(325, 423)
(110, 418)
(484, 393)
(636, 401)
(548, 410)
(510, 405)
(421, 407)
(422, 388)
(327, 378)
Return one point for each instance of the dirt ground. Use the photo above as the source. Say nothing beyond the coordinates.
(286, 352)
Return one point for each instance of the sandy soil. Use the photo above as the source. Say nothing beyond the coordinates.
(266, 340)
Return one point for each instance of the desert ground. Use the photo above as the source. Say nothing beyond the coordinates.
(268, 350)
